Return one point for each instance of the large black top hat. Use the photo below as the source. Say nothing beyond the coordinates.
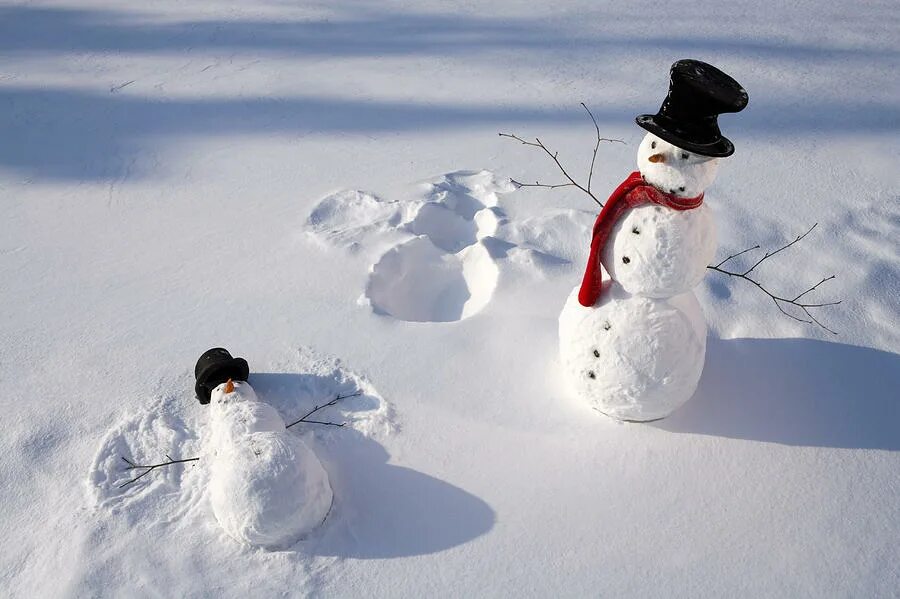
(698, 94)
(215, 367)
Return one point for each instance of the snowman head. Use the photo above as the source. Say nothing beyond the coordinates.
(232, 391)
(674, 170)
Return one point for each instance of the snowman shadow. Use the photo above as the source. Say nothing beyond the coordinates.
(387, 511)
(290, 393)
(798, 392)
(380, 510)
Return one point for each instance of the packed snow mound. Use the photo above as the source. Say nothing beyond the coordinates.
(239, 413)
(307, 379)
(445, 274)
(438, 266)
(349, 218)
(658, 252)
(267, 487)
(560, 236)
(416, 281)
(447, 230)
(165, 429)
(632, 357)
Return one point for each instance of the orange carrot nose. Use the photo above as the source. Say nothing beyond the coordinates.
(229, 386)
(657, 158)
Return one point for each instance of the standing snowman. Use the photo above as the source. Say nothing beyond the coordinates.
(267, 488)
(633, 347)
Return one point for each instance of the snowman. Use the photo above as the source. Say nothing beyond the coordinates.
(267, 488)
(633, 347)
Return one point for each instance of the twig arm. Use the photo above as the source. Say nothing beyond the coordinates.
(150, 467)
(539, 184)
(755, 247)
(554, 156)
(596, 146)
(781, 302)
(305, 417)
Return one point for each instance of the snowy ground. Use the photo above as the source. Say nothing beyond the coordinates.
(176, 176)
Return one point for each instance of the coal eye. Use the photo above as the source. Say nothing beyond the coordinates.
(652, 145)
(685, 155)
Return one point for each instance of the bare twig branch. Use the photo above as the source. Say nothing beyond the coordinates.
(755, 247)
(539, 184)
(537, 143)
(555, 157)
(150, 467)
(321, 422)
(813, 287)
(596, 145)
(323, 406)
(781, 302)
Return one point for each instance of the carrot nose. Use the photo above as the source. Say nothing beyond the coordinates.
(229, 386)
(657, 158)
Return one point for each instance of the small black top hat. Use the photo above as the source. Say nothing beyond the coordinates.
(215, 367)
(698, 94)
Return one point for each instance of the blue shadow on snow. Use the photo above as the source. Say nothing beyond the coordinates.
(795, 392)
(381, 510)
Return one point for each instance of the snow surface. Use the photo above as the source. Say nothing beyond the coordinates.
(443, 272)
(160, 166)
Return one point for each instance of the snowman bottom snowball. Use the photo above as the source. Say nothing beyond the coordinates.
(633, 358)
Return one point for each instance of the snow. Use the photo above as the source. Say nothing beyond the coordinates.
(443, 273)
(655, 251)
(160, 167)
(267, 488)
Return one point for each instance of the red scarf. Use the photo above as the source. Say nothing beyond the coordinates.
(631, 193)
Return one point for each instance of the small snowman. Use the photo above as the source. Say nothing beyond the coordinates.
(267, 487)
(633, 347)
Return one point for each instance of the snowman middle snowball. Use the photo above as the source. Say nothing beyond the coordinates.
(638, 352)
(654, 251)
(267, 488)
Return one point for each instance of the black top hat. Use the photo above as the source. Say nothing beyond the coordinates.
(215, 367)
(698, 94)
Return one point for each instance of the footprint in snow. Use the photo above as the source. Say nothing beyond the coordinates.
(352, 219)
(446, 272)
(439, 255)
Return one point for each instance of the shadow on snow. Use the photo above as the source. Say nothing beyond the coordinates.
(57, 133)
(369, 29)
(795, 392)
(381, 510)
